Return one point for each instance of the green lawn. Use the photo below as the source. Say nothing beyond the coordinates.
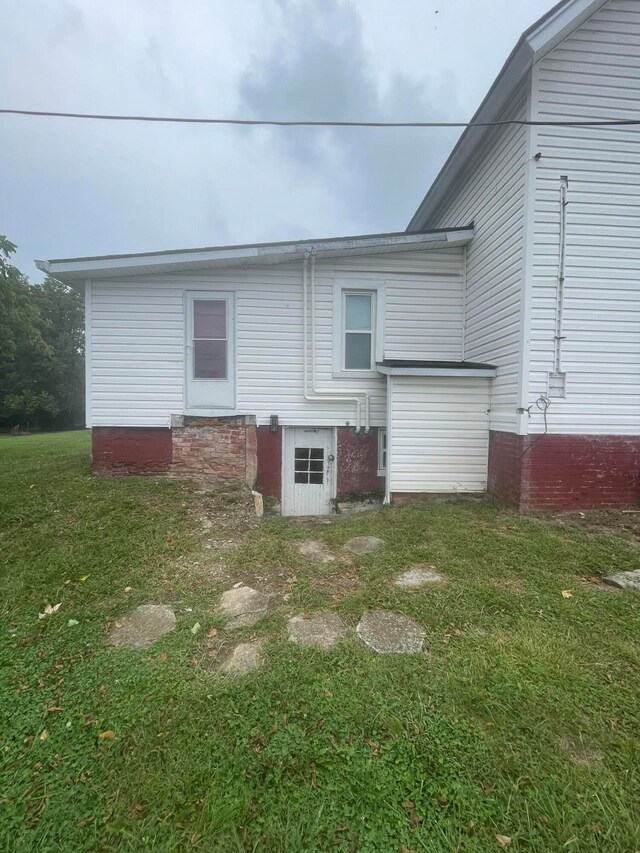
(522, 719)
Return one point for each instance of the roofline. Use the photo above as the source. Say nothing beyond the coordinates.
(534, 43)
(142, 263)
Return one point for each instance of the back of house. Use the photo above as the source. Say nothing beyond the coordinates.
(493, 345)
(553, 271)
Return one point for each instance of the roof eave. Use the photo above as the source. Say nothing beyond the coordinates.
(70, 269)
(534, 43)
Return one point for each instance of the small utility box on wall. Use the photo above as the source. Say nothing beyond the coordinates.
(557, 384)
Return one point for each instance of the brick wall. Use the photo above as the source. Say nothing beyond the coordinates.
(564, 472)
(130, 450)
(357, 462)
(222, 449)
(269, 454)
(504, 475)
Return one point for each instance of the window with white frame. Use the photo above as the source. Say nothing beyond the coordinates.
(382, 452)
(358, 320)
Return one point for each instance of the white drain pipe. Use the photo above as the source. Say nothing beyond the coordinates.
(316, 393)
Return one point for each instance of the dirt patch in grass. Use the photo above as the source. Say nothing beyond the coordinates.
(579, 753)
(337, 584)
(509, 585)
(612, 522)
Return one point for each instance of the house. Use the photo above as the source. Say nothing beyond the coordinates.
(494, 345)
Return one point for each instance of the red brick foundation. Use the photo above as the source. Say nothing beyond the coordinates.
(357, 463)
(130, 450)
(269, 453)
(564, 472)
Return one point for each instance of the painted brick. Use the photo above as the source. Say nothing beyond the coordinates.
(357, 463)
(269, 456)
(563, 472)
(130, 450)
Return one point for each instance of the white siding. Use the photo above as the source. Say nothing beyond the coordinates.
(593, 74)
(138, 336)
(438, 440)
(490, 191)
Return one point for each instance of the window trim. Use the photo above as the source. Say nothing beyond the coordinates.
(342, 287)
(383, 451)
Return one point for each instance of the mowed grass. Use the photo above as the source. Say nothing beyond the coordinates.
(520, 720)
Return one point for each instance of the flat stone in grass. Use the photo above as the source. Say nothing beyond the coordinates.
(387, 632)
(323, 629)
(244, 606)
(625, 580)
(244, 658)
(316, 551)
(418, 576)
(142, 626)
(363, 544)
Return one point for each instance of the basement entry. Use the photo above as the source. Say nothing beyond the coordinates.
(308, 483)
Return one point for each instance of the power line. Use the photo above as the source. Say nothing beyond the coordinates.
(285, 123)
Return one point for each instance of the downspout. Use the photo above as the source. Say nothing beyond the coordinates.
(315, 393)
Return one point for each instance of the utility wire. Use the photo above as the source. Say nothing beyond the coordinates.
(284, 123)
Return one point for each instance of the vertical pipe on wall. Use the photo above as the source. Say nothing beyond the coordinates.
(557, 361)
(315, 393)
(464, 302)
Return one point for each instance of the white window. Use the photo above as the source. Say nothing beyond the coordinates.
(358, 327)
(358, 320)
(382, 452)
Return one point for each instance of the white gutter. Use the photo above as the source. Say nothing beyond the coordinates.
(482, 372)
(317, 394)
(222, 257)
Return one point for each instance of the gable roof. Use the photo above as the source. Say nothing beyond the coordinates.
(534, 43)
(252, 254)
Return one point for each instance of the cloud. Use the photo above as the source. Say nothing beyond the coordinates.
(318, 68)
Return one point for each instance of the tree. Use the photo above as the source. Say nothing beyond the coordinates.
(41, 349)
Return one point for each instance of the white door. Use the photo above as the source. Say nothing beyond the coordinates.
(309, 467)
(210, 356)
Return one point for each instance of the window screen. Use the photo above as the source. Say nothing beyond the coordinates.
(382, 450)
(358, 331)
(309, 465)
(210, 353)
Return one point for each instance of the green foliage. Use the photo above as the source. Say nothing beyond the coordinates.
(41, 349)
(520, 720)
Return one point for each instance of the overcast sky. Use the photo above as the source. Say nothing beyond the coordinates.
(70, 188)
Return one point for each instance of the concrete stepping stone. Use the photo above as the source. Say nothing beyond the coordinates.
(363, 544)
(142, 626)
(418, 576)
(625, 580)
(391, 633)
(244, 606)
(314, 550)
(323, 630)
(244, 658)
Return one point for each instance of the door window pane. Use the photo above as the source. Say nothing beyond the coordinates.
(209, 318)
(357, 351)
(209, 359)
(309, 465)
(358, 312)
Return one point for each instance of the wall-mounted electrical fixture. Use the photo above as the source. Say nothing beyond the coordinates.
(557, 384)
(273, 423)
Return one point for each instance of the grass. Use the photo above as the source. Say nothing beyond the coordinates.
(521, 719)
